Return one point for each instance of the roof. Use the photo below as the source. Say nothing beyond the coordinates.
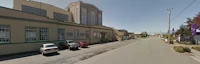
(83, 3)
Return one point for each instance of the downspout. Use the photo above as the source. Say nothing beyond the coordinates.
(90, 34)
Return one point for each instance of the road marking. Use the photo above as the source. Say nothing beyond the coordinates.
(173, 50)
(195, 58)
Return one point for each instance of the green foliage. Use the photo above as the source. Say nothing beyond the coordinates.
(187, 49)
(179, 49)
(182, 49)
(144, 34)
(185, 30)
(165, 36)
(171, 42)
(196, 48)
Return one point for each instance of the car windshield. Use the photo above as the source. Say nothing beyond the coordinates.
(83, 42)
(70, 41)
(50, 45)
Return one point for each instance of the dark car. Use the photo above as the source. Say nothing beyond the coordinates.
(63, 45)
(83, 44)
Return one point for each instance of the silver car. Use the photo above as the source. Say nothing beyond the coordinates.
(48, 48)
(72, 44)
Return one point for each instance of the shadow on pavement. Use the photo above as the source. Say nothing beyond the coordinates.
(51, 54)
(75, 49)
(85, 47)
(15, 56)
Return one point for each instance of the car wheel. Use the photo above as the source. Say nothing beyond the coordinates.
(42, 52)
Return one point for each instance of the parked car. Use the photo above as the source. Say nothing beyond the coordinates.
(48, 48)
(83, 44)
(63, 45)
(72, 44)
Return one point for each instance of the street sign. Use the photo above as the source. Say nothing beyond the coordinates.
(173, 31)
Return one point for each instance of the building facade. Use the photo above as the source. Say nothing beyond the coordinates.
(84, 13)
(30, 24)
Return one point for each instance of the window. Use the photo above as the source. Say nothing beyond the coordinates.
(43, 34)
(97, 34)
(4, 34)
(31, 34)
(93, 22)
(60, 17)
(77, 17)
(34, 10)
(99, 19)
(108, 35)
(87, 34)
(50, 45)
(83, 16)
(82, 34)
(61, 34)
(76, 34)
(69, 34)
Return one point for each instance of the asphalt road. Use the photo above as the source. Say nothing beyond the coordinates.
(149, 51)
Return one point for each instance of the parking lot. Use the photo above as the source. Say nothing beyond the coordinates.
(64, 56)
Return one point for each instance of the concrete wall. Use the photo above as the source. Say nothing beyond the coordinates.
(19, 48)
(72, 8)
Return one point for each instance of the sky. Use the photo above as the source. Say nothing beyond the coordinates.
(135, 15)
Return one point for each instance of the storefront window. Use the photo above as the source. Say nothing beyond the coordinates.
(31, 33)
(61, 34)
(43, 34)
(4, 34)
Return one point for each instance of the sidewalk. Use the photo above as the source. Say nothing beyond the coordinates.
(194, 53)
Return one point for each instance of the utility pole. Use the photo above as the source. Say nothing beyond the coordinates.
(169, 10)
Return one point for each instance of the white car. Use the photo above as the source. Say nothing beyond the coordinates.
(48, 48)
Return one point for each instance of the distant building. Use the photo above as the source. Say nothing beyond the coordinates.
(125, 34)
(137, 35)
(131, 35)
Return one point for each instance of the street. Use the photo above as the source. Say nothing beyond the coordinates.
(149, 51)
(64, 56)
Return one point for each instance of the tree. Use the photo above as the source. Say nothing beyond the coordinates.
(189, 23)
(184, 30)
(197, 20)
(144, 34)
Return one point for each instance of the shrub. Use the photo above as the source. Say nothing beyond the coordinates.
(179, 49)
(182, 49)
(171, 42)
(165, 36)
(196, 48)
(187, 49)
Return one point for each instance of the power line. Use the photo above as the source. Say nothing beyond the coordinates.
(183, 10)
